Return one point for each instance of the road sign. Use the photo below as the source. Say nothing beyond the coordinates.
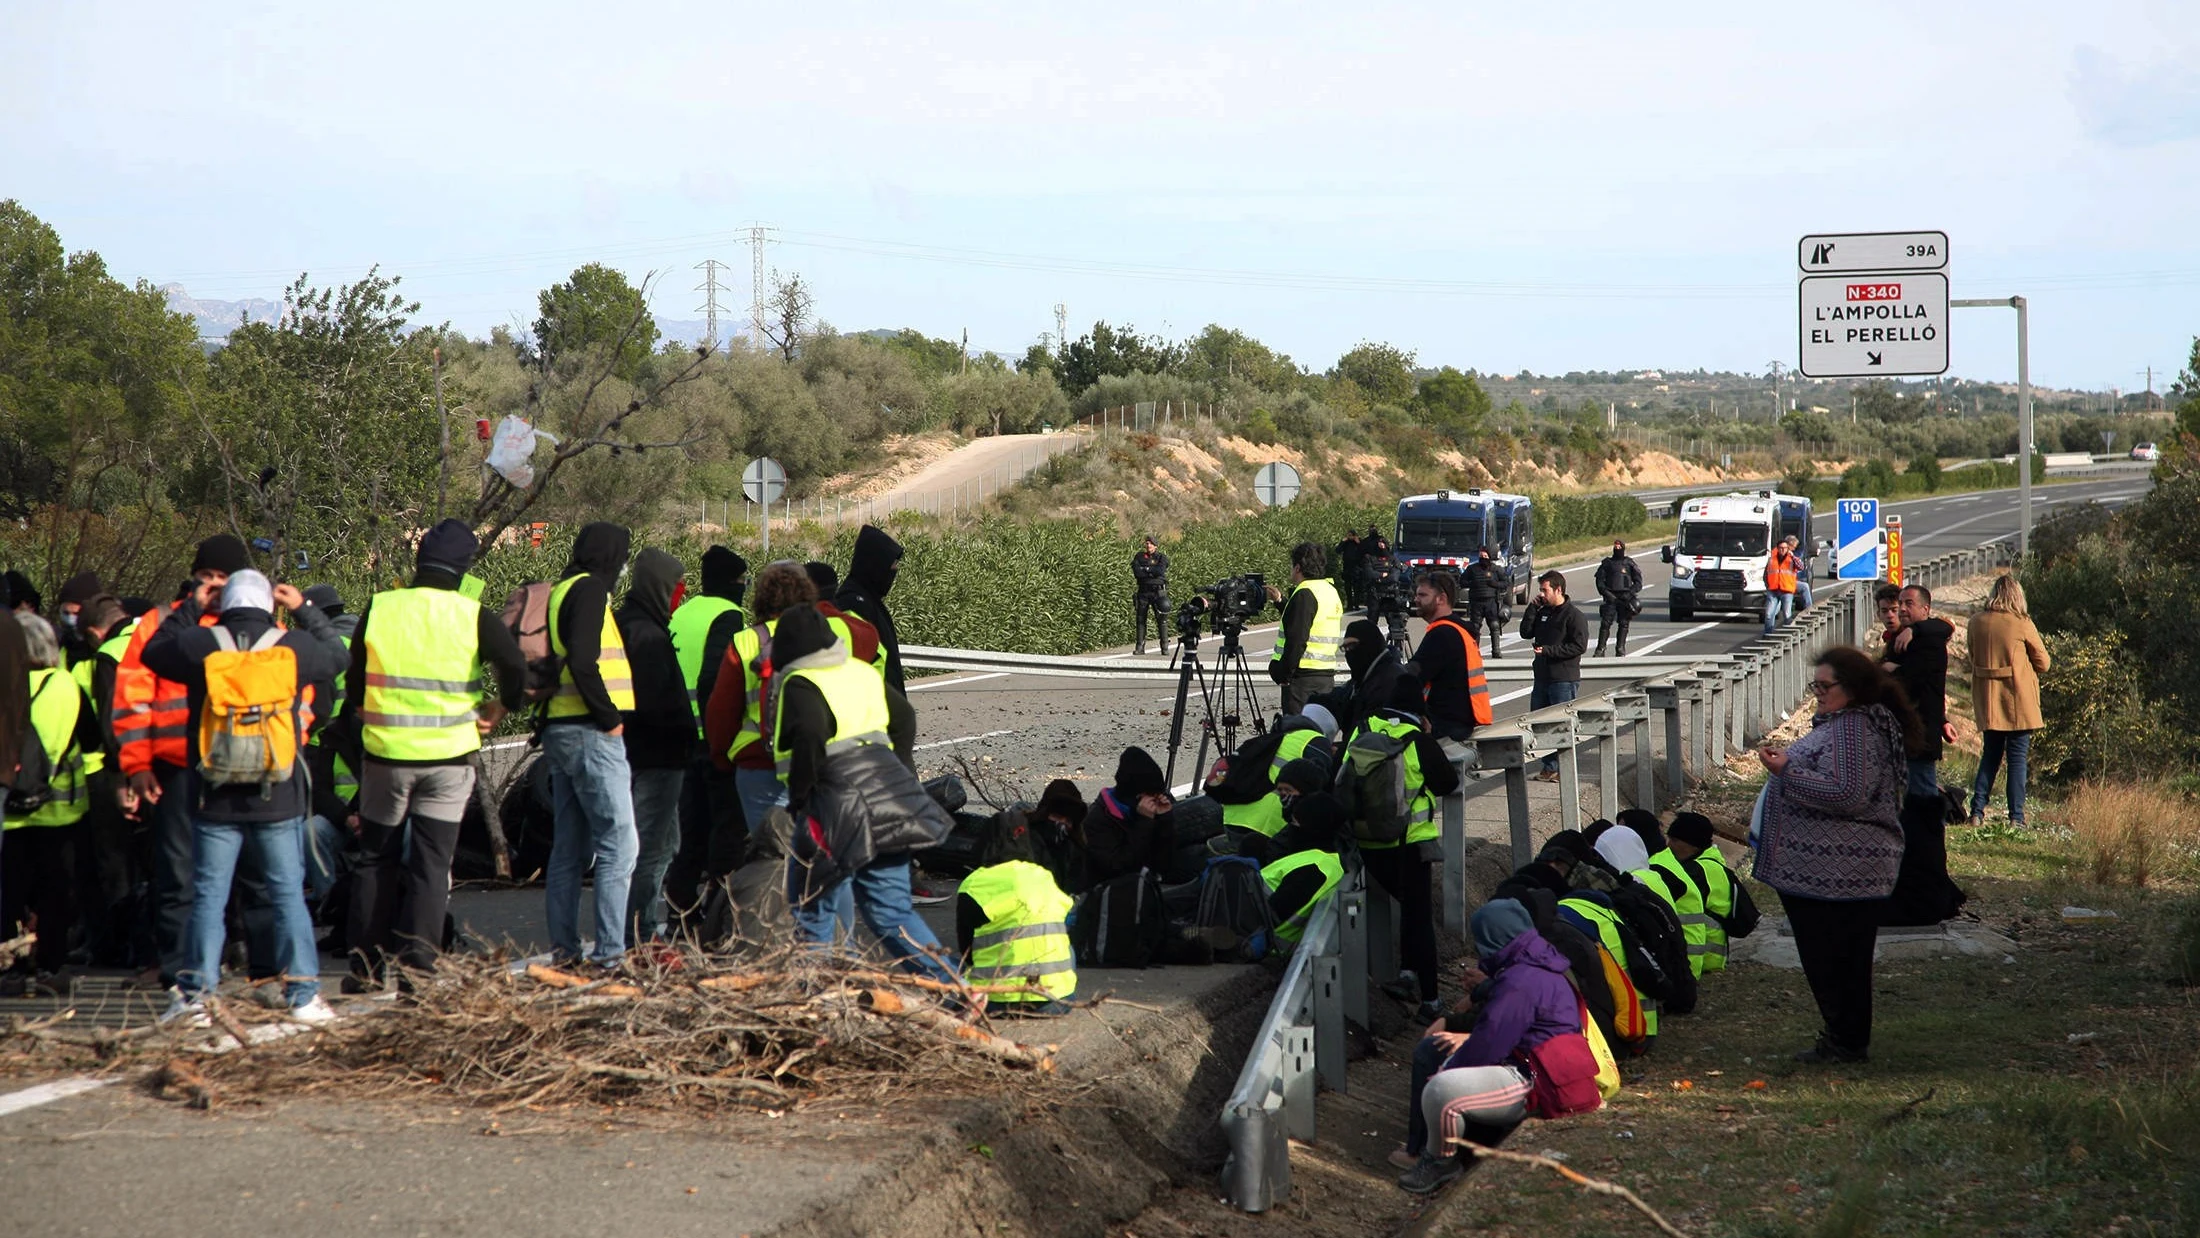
(1894, 549)
(763, 481)
(1873, 326)
(1844, 253)
(1276, 484)
(1856, 539)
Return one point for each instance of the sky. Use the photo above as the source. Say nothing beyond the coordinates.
(1499, 187)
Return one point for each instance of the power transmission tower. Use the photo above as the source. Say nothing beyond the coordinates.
(709, 289)
(759, 236)
(1061, 325)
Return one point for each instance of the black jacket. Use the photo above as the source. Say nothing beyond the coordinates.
(660, 732)
(1119, 841)
(15, 696)
(1299, 609)
(1151, 571)
(1618, 576)
(1485, 582)
(599, 554)
(1922, 670)
(1441, 664)
(1375, 670)
(871, 572)
(500, 655)
(1563, 633)
(178, 651)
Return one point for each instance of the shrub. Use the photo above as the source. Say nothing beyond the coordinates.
(2129, 831)
(1926, 469)
(2184, 945)
(2102, 723)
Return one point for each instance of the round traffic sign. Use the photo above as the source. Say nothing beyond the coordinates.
(1276, 484)
(763, 481)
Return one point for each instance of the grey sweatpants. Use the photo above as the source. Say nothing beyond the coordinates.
(1473, 1102)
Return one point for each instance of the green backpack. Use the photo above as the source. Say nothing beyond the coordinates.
(1371, 786)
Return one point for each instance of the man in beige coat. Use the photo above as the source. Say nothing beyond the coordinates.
(2007, 659)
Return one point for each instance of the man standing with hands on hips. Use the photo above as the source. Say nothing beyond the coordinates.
(1560, 634)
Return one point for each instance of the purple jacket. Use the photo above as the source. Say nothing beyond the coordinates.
(1530, 1001)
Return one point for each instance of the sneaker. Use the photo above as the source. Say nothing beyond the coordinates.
(925, 891)
(1431, 1174)
(185, 1012)
(1827, 1053)
(1548, 775)
(315, 1011)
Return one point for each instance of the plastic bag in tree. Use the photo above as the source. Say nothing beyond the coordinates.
(511, 449)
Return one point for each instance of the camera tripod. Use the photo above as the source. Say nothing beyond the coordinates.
(1226, 698)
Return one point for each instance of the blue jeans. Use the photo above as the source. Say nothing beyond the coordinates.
(657, 827)
(592, 798)
(1554, 693)
(880, 893)
(277, 848)
(1802, 587)
(761, 791)
(327, 847)
(2017, 746)
(1924, 778)
(1779, 609)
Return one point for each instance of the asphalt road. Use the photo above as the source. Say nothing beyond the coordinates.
(1016, 731)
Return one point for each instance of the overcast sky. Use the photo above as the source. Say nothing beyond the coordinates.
(1553, 187)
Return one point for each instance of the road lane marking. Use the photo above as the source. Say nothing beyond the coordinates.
(47, 1093)
(963, 739)
(956, 683)
(1654, 646)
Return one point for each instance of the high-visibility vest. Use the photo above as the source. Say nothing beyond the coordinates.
(56, 705)
(1326, 637)
(1687, 901)
(1332, 872)
(113, 647)
(423, 676)
(152, 716)
(1025, 937)
(1607, 922)
(1717, 888)
(690, 628)
(611, 664)
(855, 694)
(1264, 816)
(1478, 684)
(1780, 571)
(752, 648)
(1421, 823)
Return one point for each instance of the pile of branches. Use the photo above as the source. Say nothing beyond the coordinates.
(703, 1032)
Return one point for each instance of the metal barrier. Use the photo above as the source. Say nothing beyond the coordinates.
(1714, 707)
(1118, 666)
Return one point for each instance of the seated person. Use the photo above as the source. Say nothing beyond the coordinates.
(1131, 825)
(1245, 784)
(1057, 824)
(1011, 926)
(1646, 827)
(1307, 866)
(1295, 781)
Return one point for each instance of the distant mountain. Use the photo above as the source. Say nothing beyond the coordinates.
(216, 319)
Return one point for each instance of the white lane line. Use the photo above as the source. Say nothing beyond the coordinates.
(943, 743)
(47, 1093)
(1654, 646)
(956, 683)
(1511, 696)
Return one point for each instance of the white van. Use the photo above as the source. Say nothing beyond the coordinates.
(1723, 544)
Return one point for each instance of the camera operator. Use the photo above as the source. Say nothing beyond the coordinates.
(1448, 663)
(1487, 584)
(1150, 569)
(1305, 661)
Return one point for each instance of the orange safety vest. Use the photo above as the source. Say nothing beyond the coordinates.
(1780, 571)
(152, 716)
(1478, 685)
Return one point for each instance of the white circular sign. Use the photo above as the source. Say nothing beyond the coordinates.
(1276, 484)
(763, 481)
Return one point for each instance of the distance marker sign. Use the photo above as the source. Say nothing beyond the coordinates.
(1873, 326)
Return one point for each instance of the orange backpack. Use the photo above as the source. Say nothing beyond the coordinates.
(248, 724)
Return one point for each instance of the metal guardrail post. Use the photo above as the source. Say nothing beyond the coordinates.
(1453, 840)
(1714, 688)
(1666, 699)
(1555, 735)
(1382, 935)
(1506, 750)
(1737, 692)
(1329, 1042)
(1352, 935)
(1599, 720)
(1298, 1083)
(1692, 696)
(1631, 712)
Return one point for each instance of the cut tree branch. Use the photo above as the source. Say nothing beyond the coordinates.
(1596, 1186)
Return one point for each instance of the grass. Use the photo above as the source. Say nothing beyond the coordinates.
(2127, 832)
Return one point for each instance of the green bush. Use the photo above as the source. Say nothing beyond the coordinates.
(1925, 469)
(2102, 722)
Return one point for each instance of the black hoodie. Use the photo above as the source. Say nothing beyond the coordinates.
(871, 571)
(660, 732)
(599, 554)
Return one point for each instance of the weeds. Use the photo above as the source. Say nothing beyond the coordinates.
(2128, 832)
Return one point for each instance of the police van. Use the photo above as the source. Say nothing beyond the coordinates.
(1720, 552)
(1447, 530)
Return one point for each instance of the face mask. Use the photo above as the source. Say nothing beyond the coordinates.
(68, 621)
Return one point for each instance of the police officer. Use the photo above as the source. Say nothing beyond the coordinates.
(1305, 661)
(1150, 569)
(1487, 583)
(1619, 584)
(1350, 556)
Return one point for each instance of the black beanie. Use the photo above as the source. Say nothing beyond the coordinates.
(221, 553)
(723, 571)
(81, 588)
(1319, 820)
(1595, 831)
(326, 599)
(1304, 776)
(1645, 825)
(1692, 828)
(802, 631)
(20, 591)
(1138, 774)
(1573, 843)
(823, 576)
(448, 547)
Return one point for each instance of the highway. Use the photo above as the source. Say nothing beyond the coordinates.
(1020, 730)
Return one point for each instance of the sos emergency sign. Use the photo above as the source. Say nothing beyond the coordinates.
(1874, 325)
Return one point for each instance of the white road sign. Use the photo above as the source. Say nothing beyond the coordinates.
(1840, 253)
(1275, 485)
(763, 481)
(1873, 326)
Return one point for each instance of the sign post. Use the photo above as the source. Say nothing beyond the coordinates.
(1894, 549)
(1856, 539)
(763, 481)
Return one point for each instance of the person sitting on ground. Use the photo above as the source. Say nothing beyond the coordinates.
(1058, 827)
(1582, 963)
(1646, 826)
(1480, 1095)
(1307, 865)
(1246, 785)
(1547, 871)
(1728, 910)
(1011, 926)
(1131, 825)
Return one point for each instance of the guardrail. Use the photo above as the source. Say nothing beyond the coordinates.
(935, 658)
(1714, 707)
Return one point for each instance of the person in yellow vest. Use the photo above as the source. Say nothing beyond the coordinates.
(1012, 926)
(582, 733)
(713, 832)
(103, 858)
(413, 697)
(1307, 647)
(1403, 867)
(1308, 868)
(660, 734)
(829, 743)
(1252, 788)
(1691, 856)
(38, 882)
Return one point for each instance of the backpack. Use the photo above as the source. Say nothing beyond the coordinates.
(248, 723)
(1659, 929)
(1120, 923)
(527, 615)
(1371, 786)
(33, 787)
(1234, 897)
(1741, 921)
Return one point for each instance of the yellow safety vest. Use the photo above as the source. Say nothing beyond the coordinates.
(423, 676)
(855, 694)
(1421, 823)
(752, 645)
(114, 647)
(1696, 926)
(1264, 816)
(56, 704)
(1326, 637)
(611, 664)
(1025, 936)
(690, 627)
(1717, 892)
(1332, 872)
(1607, 921)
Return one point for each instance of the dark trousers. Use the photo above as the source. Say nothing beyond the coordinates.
(1620, 612)
(1304, 687)
(714, 836)
(103, 875)
(1486, 614)
(173, 839)
(39, 879)
(1404, 875)
(1835, 942)
(400, 891)
(1157, 605)
(1428, 1058)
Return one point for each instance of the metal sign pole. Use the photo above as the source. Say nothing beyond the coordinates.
(2024, 409)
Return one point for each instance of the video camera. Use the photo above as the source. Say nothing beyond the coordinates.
(1391, 594)
(1225, 604)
